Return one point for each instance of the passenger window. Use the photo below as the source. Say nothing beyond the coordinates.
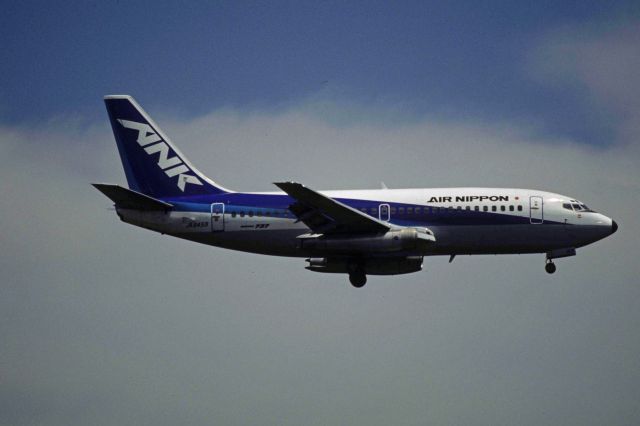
(468, 208)
(485, 208)
(364, 209)
(476, 208)
(494, 208)
(511, 208)
(393, 210)
(459, 208)
(373, 211)
(233, 214)
(242, 213)
(503, 208)
(519, 208)
(409, 210)
(250, 213)
(400, 210)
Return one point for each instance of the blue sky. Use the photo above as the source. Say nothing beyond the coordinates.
(452, 59)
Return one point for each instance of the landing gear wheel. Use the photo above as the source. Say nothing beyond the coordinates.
(358, 279)
(550, 267)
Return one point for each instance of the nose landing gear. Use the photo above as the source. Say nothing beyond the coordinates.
(550, 267)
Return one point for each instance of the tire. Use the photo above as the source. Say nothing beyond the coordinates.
(550, 267)
(358, 279)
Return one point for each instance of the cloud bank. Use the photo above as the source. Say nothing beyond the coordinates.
(103, 323)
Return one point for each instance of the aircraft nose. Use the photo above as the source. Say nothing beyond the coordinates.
(614, 226)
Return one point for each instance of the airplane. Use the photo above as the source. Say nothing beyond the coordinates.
(354, 232)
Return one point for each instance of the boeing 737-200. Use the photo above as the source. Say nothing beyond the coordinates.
(355, 232)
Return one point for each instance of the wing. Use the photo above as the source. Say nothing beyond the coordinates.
(324, 215)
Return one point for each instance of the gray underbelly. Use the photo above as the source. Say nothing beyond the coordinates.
(486, 239)
(492, 239)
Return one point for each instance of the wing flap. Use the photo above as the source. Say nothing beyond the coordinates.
(129, 199)
(326, 215)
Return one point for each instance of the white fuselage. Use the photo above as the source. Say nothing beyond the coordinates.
(463, 220)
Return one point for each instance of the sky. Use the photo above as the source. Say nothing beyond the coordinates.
(104, 323)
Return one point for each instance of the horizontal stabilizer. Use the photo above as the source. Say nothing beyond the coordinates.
(129, 199)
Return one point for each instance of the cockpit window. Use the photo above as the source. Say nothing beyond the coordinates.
(577, 206)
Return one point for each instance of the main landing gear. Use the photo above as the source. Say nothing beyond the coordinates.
(357, 276)
(550, 267)
(358, 279)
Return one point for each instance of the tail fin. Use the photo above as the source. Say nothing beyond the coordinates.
(152, 164)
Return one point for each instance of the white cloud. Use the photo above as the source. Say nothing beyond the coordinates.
(106, 321)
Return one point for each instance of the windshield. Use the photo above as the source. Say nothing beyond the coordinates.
(577, 206)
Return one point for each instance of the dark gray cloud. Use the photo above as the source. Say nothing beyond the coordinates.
(104, 323)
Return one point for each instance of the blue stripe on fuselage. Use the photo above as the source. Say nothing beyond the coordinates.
(279, 203)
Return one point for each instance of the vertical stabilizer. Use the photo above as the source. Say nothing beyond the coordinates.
(152, 164)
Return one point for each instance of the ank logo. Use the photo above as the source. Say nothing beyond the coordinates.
(152, 144)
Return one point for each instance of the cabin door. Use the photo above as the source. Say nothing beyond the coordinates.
(217, 217)
(536, 210)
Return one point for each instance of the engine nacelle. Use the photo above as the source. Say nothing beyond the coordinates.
(397, 240)
(371, 266)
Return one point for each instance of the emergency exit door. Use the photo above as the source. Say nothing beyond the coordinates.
(384, 212)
